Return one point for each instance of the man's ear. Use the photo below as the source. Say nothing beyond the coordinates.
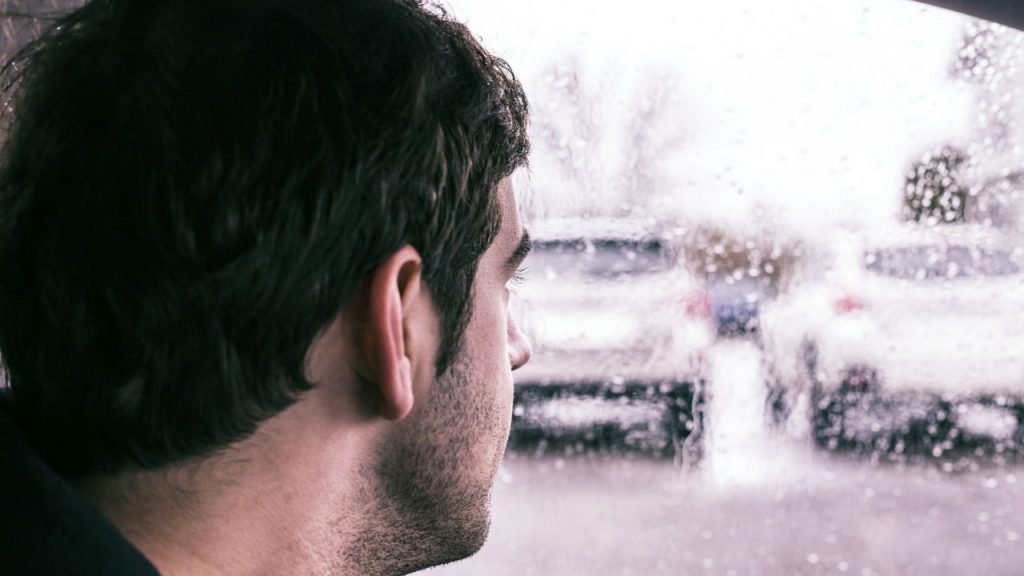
(393, 287)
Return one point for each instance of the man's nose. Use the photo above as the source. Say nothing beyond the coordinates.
(519, 350)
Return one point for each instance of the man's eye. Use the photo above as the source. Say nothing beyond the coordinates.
(519, 278)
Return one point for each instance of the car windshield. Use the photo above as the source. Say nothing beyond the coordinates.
(598, 257)
(941, 262)
(764, 412)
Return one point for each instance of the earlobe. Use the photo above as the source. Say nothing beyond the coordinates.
(392, 288)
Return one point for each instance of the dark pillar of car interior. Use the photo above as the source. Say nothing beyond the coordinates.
(1007, 12)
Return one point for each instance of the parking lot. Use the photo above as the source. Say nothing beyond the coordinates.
(814, 514)
(604, 491)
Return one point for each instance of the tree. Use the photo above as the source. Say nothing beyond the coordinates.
(602, 140)
(933, 192)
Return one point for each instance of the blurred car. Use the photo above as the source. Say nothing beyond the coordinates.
(618, 329)
(911, 341)
(606, 300)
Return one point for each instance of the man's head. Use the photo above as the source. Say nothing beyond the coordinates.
(193, 189)
(196, 194)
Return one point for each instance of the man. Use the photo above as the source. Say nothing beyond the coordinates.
(255, 260)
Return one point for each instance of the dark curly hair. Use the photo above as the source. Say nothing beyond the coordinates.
(191, 190)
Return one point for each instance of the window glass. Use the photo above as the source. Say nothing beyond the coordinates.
(776, 292)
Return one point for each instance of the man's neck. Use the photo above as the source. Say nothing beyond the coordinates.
(288, 507)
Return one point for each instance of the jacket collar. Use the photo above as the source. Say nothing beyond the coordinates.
(49, 527)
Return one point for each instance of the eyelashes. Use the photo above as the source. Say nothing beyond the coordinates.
(519, 278)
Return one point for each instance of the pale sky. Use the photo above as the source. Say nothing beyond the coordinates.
(809, 110)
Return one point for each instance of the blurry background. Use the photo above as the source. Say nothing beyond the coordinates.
(776, 293)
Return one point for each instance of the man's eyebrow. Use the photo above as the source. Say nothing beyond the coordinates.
(517, 257)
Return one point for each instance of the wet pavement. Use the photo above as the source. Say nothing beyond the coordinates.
(810, 514)
(752, 499)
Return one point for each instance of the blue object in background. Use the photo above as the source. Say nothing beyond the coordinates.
(736, 305)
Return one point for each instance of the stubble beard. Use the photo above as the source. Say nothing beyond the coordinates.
(430, 503)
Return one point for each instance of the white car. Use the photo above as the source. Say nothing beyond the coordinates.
(607, 301)
(619, 332)
(912, 326)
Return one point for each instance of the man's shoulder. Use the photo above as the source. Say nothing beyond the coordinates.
(46, 525)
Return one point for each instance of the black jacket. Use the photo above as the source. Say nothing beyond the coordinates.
(47, 526)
